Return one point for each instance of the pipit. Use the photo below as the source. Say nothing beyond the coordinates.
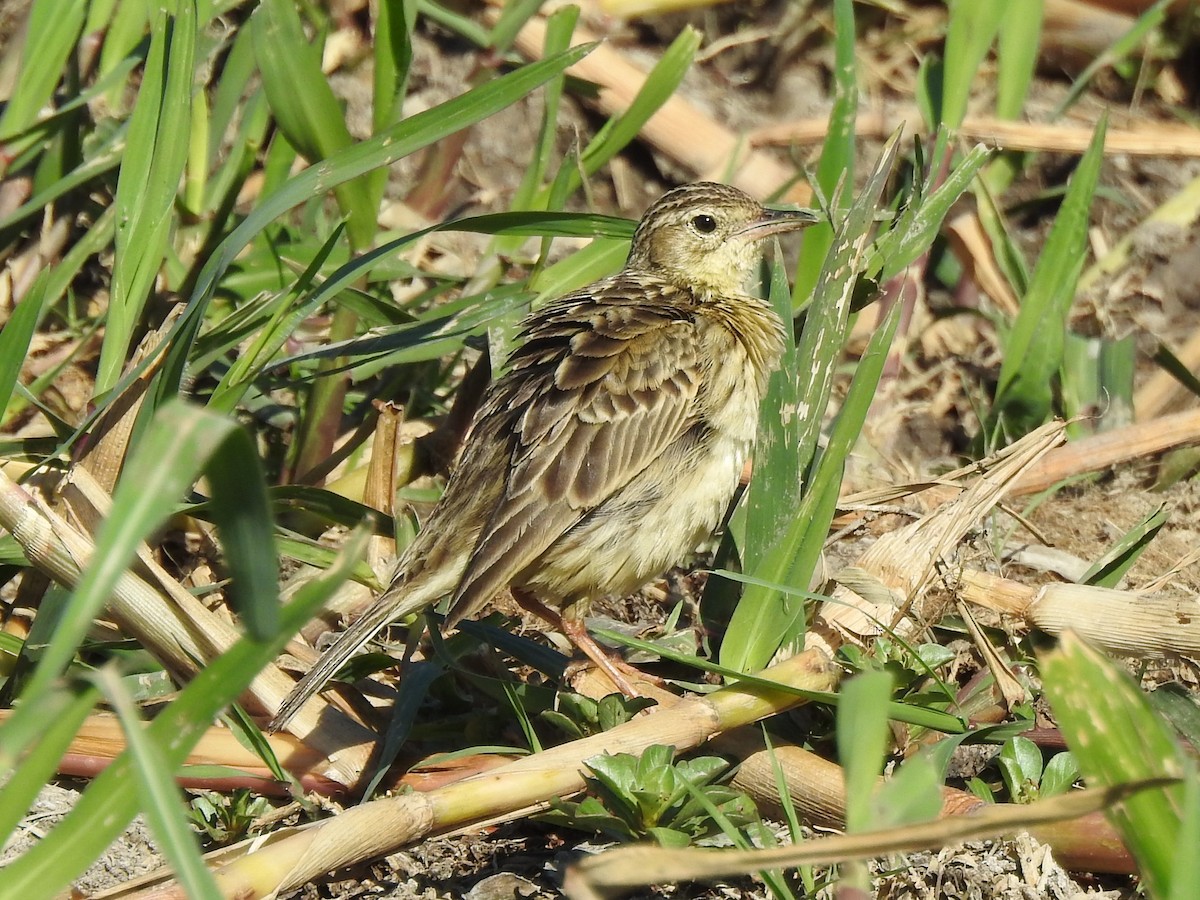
(614, 441)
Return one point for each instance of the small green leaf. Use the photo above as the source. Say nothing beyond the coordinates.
(1020, 763)
(1060, 774)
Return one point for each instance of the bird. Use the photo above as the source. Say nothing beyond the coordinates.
(613, 441)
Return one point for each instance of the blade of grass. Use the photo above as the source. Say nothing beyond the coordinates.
(158, 796)
(383, 149)
(559, 28)
(151, 167)
(51, 33)
(775, 489)
(242, 513)
(1017, 54)
(970, 31)
(305, 108)
(268, 340)
(619, 131)
(756, 628)
(862, 739)
(1122, 47)
(123, 31)
(836, 165)
(111, 800)
(52, 732)
(1034, 350)
(164, 466)
(1118, 739)
(918, 223)
(925, 717)
(394, 23)
(1110, 568)
(16, 336)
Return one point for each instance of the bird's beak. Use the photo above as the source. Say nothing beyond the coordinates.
(778, 221)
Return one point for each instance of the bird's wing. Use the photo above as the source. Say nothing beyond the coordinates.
(599, 387)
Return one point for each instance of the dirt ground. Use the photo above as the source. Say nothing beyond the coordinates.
(764, 63)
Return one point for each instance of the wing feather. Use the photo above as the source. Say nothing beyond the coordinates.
(597, 390)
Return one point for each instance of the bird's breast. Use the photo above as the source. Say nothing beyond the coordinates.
(741, 346)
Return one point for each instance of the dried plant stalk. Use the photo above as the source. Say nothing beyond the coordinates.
(177, 631)
(615, 872)
(817, 790)
(101, 739)
(680, 129)
(1100, 451)
(876, 593)
(1148, 139)
(383, 826)
(1125, 622)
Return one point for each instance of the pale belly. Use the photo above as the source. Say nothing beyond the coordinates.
(651, 525)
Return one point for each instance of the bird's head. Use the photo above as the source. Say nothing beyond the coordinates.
(708, 236)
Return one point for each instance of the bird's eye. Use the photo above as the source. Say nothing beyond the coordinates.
(704, 224)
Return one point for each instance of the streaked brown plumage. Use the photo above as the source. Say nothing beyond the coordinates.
(613, 443)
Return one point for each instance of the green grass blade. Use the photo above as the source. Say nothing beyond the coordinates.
(1117, 738)
(862, 739)
(827, 320)
(513, 17)
(394, 23)
(560, 26)
(111, 800)
(1097, 378)
(229, 93)
(601, 257)
(1110, 568)
(837, 153)
(919, 223)
(52, 31)
(1122, 47)
(162, 468)
(305, 108)
(123, 32)
(16, 336)
(762, 620)
(774, 490)
(151, 167)
(395, 143)
(658, 87)
(268, 340)
(934, 719)
(464, 26)
(1017, 48)
(48, 735)
(242, 513)
(969, 34)
(158, 795)
(409, 335)
(1034, 351)
(106, 158)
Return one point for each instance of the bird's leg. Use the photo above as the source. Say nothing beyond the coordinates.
(613, 666)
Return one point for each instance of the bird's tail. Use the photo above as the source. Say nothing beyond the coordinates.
(403, 598)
